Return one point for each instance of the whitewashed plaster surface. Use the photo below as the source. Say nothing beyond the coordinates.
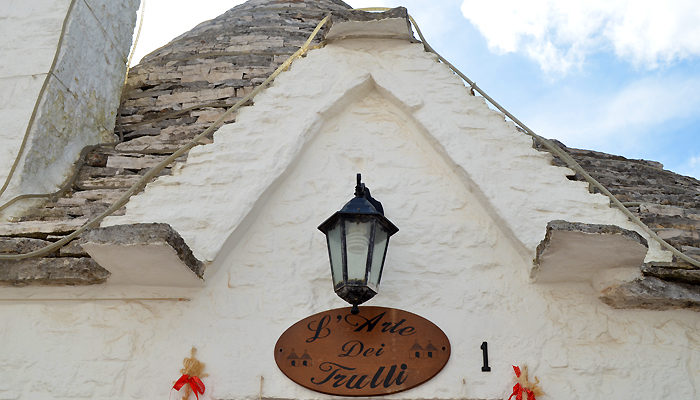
(452, 262)
(516, 184)
(29, 33)
(457, 260)
(79, 104)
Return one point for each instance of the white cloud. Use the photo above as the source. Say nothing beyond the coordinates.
(624, 121)
(560, 34)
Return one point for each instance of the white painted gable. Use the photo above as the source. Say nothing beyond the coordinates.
(208, 199)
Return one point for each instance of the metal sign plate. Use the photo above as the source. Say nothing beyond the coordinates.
(378, 351)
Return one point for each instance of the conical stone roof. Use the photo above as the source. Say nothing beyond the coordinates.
(256, 26)
(215, 64)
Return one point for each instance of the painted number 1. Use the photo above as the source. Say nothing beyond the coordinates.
(485, 352)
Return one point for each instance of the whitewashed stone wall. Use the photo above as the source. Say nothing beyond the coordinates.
(458, 259)
(80, 100)
(28, 44)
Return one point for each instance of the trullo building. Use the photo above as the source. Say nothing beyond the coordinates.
(500, 241)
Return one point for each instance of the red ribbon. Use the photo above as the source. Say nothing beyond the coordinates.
(195, 384)
(518, 389)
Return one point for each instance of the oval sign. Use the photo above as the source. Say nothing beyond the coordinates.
(378, 351)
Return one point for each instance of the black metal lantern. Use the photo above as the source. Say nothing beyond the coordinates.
(358, 236)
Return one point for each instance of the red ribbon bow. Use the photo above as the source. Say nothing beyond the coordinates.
(518, 389)
(195, 384)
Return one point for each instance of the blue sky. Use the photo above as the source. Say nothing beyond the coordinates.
(619, 76)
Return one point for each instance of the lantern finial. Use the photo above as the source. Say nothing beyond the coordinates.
(360, 188)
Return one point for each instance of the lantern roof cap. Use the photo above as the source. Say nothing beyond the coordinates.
(362, 204)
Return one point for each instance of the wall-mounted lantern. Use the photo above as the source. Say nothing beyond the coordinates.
(358, 236)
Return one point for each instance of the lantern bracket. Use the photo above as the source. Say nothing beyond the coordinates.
(363, 191)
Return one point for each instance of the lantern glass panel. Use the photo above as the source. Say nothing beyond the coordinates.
(380, 241)
(357, 235)
(335, 249)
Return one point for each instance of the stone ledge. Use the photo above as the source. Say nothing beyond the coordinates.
(391, 24)
(21, 245)
(144, 254)
(667, 272)
(52, 272)
(574, 252)
(600, 229)
(652, 294)
(41, 229)
(364, 16)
